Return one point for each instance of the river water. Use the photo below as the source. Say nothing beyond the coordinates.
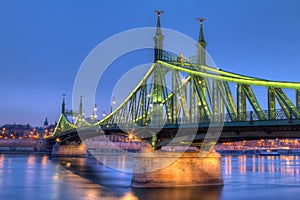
(43, 177)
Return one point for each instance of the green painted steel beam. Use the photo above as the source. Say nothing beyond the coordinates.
(257, 82)
(241, 102)
(81, 121)
(63, 125)
(227, 99)
(253, 101)
(288, 103)
(297, 98)
(181, 85)
(282, 104)
(148, 73)
(226, 73)
(271, 103)
(204, 105)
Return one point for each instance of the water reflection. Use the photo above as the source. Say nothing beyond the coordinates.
(228, 165)
(285, 164)
(42, 177)
(253, 163)
(117, 183)
(242, 163)
(191, 193)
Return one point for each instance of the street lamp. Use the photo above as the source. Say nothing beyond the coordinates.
(103, 114)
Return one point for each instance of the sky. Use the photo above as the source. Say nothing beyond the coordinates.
(43, 44)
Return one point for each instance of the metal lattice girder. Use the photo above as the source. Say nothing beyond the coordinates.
(142, 105)
(203, 88)
(246, 81)
(171, 101)
(157, 94)
(127, 100)
(289, 106)
(183, 99)
(81, 121)
(297, 98)
(192, 102)
(271, 104)
(201, 97)
(119, 116)
(174, 113)
(253, 101)
(241, 102)
(132, 110)
(195, 102)
(283, 106)
(157, 84)
(63, 125)
(227, 99)
(218, 71)
(200, 81)
(129, 107)
(181, 85)
(183, 103)
(215, 102)
(221, 107)
(285, 109)
(166, 95)
(209, 89)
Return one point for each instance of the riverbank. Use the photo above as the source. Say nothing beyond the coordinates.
(26, 152)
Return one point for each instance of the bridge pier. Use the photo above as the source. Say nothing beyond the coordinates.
(177, 170)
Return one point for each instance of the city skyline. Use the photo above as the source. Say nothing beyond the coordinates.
(43, 45)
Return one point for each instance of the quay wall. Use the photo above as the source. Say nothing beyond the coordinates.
(22, 145)
(69, 150)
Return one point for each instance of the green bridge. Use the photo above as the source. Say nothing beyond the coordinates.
(196, 97)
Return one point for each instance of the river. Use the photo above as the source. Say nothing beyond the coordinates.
(43, 177)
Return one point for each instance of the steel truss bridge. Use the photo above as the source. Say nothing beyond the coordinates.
(183, 92)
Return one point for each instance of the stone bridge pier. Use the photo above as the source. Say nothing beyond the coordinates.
(177, 169)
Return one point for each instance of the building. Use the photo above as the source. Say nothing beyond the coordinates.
(17, 131)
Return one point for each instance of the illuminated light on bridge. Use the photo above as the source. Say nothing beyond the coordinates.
(68, 164)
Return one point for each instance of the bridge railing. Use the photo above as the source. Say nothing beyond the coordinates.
(248, 116)
(171, 57)
(168, 56)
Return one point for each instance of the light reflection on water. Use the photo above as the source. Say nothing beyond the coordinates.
(43, 177)
(284, 164)
(261, 177)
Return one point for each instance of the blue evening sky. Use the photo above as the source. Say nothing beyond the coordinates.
(43, 43)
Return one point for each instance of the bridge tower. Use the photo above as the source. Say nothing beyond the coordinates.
(158, 38)
(80, 120)
(158, 78)
(201, 60)
(80, 106)
(201, 45)
(217, 101)
(63, 105)
(63, 124)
